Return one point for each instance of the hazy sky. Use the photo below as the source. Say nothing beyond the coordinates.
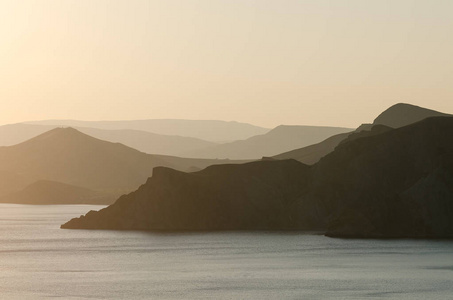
(263, 62)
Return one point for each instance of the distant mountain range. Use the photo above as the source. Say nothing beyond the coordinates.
(208, 130)
(68, 156)
(278, 140)
(144, 141)
(392, 183)
(398, 115)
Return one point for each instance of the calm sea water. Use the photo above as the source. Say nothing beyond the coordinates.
(39, 260)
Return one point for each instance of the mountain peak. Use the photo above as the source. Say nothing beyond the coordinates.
(63, 134)
(64, 130)
(402, 114)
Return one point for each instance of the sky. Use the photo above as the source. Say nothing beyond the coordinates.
(336, 63)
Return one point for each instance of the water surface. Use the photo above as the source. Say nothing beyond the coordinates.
(38, 260)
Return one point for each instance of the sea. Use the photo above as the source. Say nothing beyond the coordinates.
(38, 260)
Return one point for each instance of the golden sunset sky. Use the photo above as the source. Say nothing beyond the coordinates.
(264, 62)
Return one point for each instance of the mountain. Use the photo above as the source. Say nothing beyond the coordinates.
(208, 130)
(278, 140)
(395, 184)
(396, 116)
(141, 140)
(51, 192)
(403, 114)
(69, 156)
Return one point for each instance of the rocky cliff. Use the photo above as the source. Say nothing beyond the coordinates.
(397, 184)
(257, 195)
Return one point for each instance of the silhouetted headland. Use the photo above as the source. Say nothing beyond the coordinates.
(397, 183)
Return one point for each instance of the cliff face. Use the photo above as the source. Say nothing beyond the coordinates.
(258, 195)
(398, 183)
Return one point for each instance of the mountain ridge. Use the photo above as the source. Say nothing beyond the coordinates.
(398, 115)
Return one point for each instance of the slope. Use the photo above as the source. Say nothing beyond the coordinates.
(278, 140)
